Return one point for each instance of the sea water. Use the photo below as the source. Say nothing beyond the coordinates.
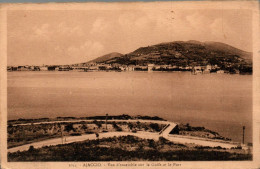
(220, 102)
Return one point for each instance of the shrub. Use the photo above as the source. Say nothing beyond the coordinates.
(75, 134)
(116, 126)
(162, 140)
(98, 123)
(130, 126)
(155, 127)
(69, 127)
(31, 148)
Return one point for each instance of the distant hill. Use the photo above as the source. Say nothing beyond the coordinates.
(181, 53)
(185, 53)
(217, 46)
(101, 59)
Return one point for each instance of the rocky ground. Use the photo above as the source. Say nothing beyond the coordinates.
(24, 134)
(128, 148)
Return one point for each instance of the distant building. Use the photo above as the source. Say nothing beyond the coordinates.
(157, 67)
(164, 66)
(220, 71)
(150, 67)
(207, 69)
(36, 68)
(43, 68)
(22, 68)
(130, 68)
(93, 68)
(9, 69)
(51, 68)
(91, 64)
(61, 68)
(31, 67)
(196, 69)
(122, 68)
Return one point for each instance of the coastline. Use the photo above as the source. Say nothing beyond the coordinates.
(164, 130)
(155, 132)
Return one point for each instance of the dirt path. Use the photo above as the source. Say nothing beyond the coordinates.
(141, 134)
(82, 120)
(195, 140)
(71, 139)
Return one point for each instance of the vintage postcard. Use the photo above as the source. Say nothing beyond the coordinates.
(130, 85)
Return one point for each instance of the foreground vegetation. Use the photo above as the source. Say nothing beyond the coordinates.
(35, 131)
(109, 117)
(128, 148)
(25, 134)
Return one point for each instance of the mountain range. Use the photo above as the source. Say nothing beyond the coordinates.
(180, 53)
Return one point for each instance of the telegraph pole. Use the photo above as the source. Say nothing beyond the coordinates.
(244, 134)
(61, 132)
(61, 136)
(106, 121)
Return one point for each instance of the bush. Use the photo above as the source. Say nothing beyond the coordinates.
(162, 140)
(130, 126)
(90, 150)
(69, 127)
(98, 123)
(155, 127)
(116, 126)
(89, 132)
(31, 148)
(75, 134)
(188, 127)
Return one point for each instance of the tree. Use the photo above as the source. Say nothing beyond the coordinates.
(162, 140)
(69, 127)
(84, 127)
(155, 127)
(31, 148)
(151, 143)
(138, 124)
(116, 126)
(99, 124)
(188, 127)
(130, 125)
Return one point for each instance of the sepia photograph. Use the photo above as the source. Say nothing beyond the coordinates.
(129, 82)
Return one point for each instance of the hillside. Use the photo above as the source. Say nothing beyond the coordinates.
(128, 148)
(181, 54)
(101, 59)
(186, 53)
(221, 46)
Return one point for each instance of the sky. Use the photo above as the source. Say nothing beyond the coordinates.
(37, 37)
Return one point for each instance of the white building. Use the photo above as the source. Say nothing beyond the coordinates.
(130, 68)
(43, 68)
(207, 69)
(150, 67)
(220, 71)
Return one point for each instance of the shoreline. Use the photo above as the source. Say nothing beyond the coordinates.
(136, 72)
(184, 132)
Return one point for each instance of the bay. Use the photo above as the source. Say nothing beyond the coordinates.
(220, 102)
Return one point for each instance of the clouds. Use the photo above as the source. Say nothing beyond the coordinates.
(198, 21)
(218, 28)
(69, 30)
(73, 36)
(88, 50)
(40, 32)
(100, 26)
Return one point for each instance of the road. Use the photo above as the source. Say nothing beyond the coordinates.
(82, 120)
(145, 135)
(71, 139)
(194, 140)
